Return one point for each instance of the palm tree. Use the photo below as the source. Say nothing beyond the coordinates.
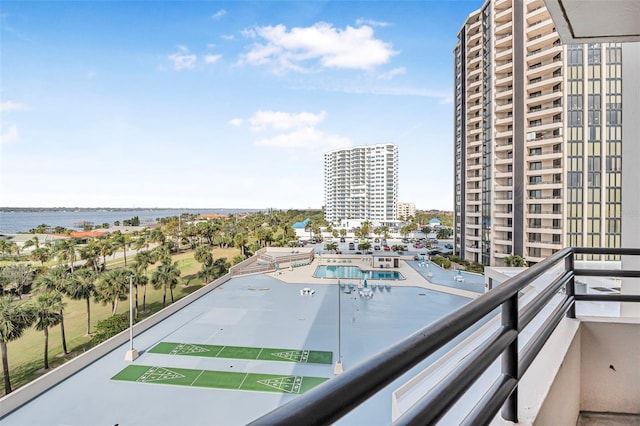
(35, 242)
(91, 253)
(106, 249)
(120, 241)
(83, 286)
(40, 254)
(140, 278)
(240, 241)
(56, 280)
(46, 308)
(143, 260)
(515, 260)
(15, 318)
(203, 255)
(112, 287)
(65, 250)
(17, 276)
(166, 276)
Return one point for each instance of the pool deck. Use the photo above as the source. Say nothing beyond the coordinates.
(413, 278)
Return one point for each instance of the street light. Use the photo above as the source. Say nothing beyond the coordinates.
(338, 368)
(131, 354)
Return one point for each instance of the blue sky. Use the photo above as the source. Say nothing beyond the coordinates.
(221, 104)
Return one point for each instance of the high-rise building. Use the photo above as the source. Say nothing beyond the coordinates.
(538, 140)
(361, 183)
(405, 211)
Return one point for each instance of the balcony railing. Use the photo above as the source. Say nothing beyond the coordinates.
(335, 398)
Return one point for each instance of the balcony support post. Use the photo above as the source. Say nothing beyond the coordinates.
(510, 357)
(570, 289)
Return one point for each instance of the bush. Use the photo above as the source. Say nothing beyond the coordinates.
(443, 262)
(476, 267)
(107, 328)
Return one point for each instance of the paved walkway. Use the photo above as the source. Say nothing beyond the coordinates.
(413, 277)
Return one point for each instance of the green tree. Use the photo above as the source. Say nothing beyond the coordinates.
(515, 260)
(166, 277)
(83, 286)
(109, 327)
(203, 255)
(17, 277)
(46, 308)
(364, 246)
(444, 233)
(15, 318)
(91, 253)
(121, 240)
(332, 247)
(143, 260)
(140, 279)
(40, 254)
(56, 281)
(112, 287)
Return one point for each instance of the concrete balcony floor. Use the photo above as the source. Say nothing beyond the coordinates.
(608, 419)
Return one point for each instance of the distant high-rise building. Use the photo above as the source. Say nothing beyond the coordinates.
(406, 210)
(538, 137)
(361, 183)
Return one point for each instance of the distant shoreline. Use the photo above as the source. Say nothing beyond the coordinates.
(115, 209)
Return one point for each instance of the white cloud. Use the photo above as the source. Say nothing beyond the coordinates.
(183, 60)
(370, 22)
(392, 73)
(9, 134)
(277, 120)
(12, 106)
(307, 137)
(228, 37)
(210, 59)
(235, 122)
(286, 50)
(219, 14)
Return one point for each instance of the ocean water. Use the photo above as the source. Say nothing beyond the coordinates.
(12, 222)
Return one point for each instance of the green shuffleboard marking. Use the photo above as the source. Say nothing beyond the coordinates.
(244, 352)
(218, 379)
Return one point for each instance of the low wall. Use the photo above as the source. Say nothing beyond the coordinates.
(610, 373)
(24, 394)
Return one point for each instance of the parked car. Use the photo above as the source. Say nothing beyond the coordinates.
(342, 240)
(449, 246)
(386, 248)
(352, 246)
(376, 247)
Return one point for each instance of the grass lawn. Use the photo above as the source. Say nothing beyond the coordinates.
(26, 355)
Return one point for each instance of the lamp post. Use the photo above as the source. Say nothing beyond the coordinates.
(131, 354)
(338, 369)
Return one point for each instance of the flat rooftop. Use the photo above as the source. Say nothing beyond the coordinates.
(194, 369)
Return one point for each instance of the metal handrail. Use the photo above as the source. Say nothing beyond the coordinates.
(322, 406)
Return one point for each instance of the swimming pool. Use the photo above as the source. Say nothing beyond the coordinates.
(336, 271)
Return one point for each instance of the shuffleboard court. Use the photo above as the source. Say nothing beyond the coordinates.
(244, 352)
(218, 379)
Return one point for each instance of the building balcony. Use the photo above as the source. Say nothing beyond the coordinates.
(538, 25)
(504, 40)
(503, 67)
(504, 54)
(542, 41)
(544, 359)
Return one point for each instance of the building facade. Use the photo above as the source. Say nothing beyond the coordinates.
(361, 183)
(406, 210)
(538, 141)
